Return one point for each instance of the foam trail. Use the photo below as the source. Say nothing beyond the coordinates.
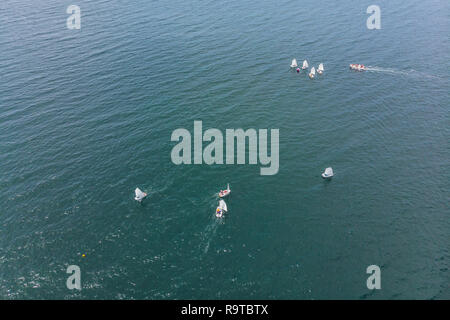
(209, 234)
(210, 230)
(393, 71)
(388, 70)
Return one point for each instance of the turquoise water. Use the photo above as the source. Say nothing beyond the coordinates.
(86, 117)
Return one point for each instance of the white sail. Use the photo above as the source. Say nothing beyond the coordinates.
(320, 67)
(305, 64)
(329, 171)
(294, 63)
(139, 194)
(313, 71)
(228, 186)
(223, 205)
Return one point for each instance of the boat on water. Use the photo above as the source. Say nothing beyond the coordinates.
(328, 173)
(224, 193)
(312, 73)
(305, 65)
(358, 67)
(221, 209)
(294, 63)
(139, 195)
(320, 69)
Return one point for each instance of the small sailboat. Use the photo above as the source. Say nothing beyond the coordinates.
(139, 195)
(224, 193)
(221, 209)
(305, 65)
(312, 73)
(294, 63)
(328, 173)
(320, 69)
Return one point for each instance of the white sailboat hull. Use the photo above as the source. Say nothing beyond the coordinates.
(320, 69)
(139, 195)
(312, 73)
(221, 209)
(328, 173)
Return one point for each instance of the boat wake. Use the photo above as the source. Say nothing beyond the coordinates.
(208, 234)
(212, 226)
(393, 71)
(388, 70)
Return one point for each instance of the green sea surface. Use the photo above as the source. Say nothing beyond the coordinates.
(86, 116)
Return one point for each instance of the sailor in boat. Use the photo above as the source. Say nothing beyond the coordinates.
(294, 63)
(221, 209)
(219, 212)
(358, 67)
(312, 73)
(320, 69)
(305, 65)
(139, 195)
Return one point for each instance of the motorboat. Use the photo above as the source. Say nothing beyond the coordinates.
(358, 67)
(224, 193)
